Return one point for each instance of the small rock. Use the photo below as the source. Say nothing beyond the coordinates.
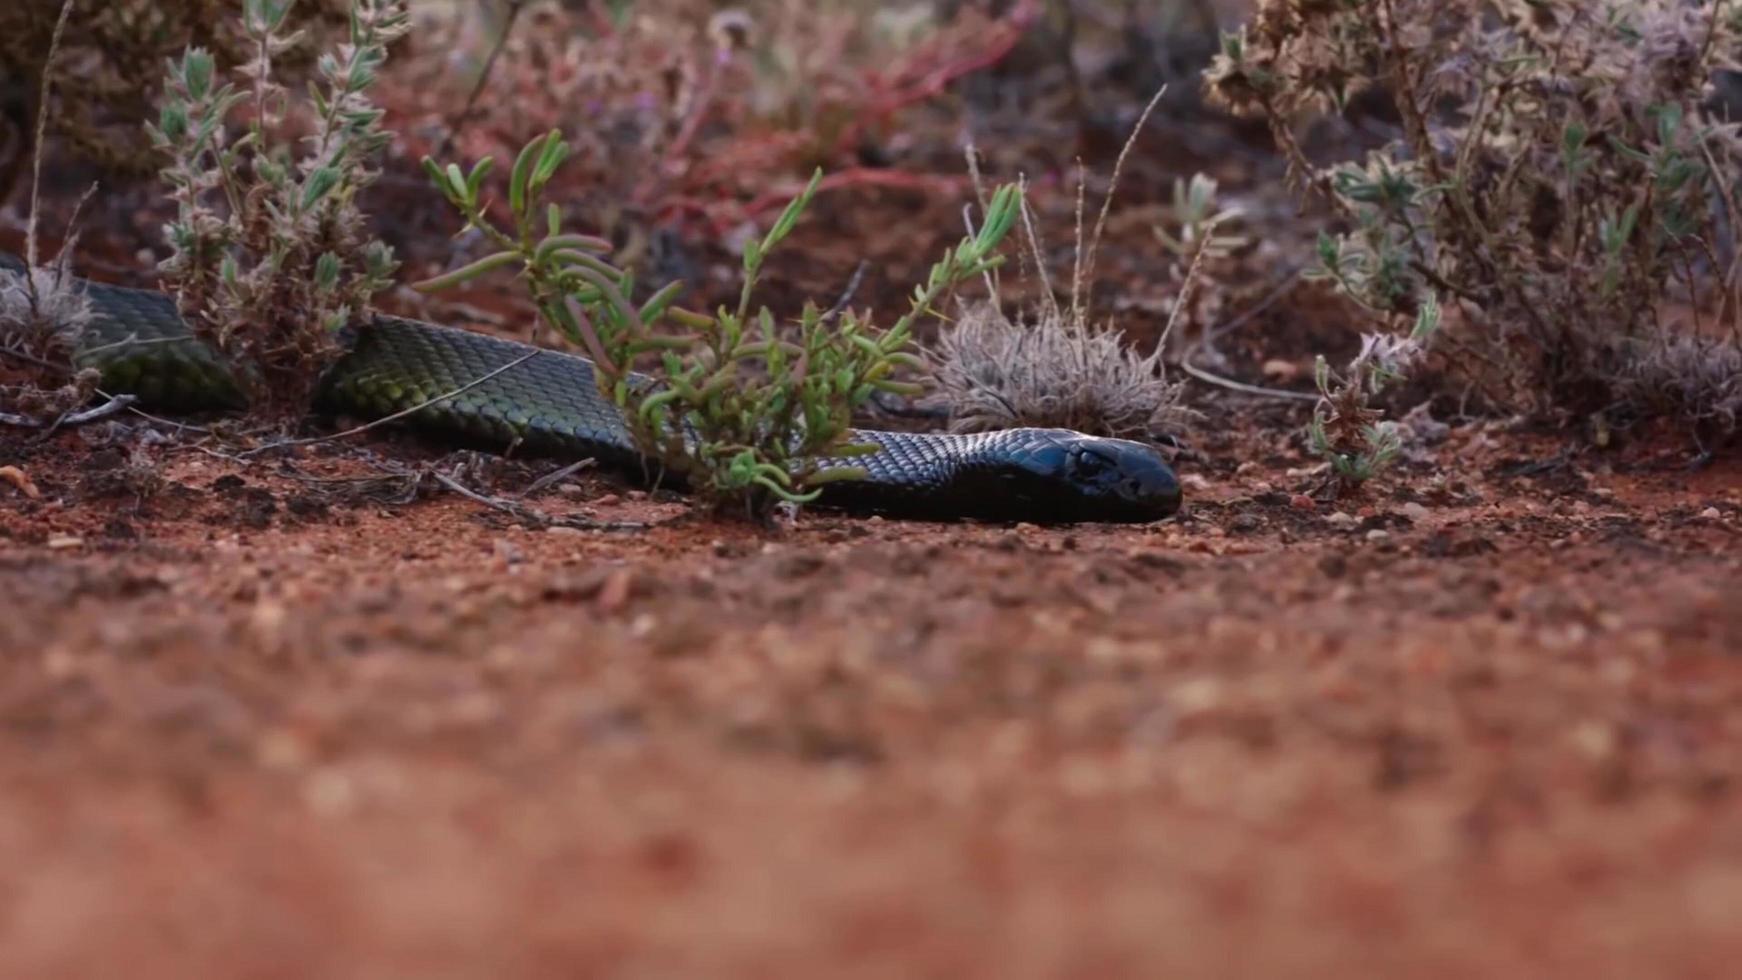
(608, 500)
(19, 479)
(564, 530)
(1339, 519)
(570, 489)
(1301, 501)
(60, 542)
(1376, 535)
(1711, 514)
(1277, 369)
(618, 587)
(1414, 511)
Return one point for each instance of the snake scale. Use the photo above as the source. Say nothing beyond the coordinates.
(549, 406)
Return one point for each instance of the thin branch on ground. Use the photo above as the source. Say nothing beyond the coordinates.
(532, 516)
(1207, 377)
(1277, 292)
(396, 416)
(102, 411)
(115, 404)
(134, 340)
(556, 476)
(62, 368)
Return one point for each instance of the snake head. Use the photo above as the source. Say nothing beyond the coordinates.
(1069, 477)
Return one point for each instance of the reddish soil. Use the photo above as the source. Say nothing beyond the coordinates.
(254, 725)
(297, 719)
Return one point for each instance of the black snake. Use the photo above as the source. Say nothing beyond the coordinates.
(549, 406)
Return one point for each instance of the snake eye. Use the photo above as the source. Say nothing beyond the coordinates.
(1090, 463)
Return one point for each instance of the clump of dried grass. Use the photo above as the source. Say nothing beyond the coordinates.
(43, 312)
(1053, 367)
(1692, 378)
(1054, 371)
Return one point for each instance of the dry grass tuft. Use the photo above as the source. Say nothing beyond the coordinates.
(1054, 369)
(998, 373)
(43, 313)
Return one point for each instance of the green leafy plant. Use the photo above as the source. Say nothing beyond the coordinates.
(748, 412)
(270, 254)
(1346, 431)
(1560, 172)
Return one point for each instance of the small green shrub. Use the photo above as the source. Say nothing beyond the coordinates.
(748, 413)
(270, 255)
(1346, 431)
(1560, 175)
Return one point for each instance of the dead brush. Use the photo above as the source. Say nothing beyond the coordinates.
(1559, 174)
(1054, 368)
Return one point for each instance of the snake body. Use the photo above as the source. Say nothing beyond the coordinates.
(550, 406)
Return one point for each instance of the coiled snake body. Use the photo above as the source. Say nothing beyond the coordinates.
(549, 405)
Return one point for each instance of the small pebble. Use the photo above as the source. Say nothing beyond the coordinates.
(1711, 514)
(19, 479)
(1413, 511)
(618, 588)
(507, 552)
(1339, 519)
(1301, 501)
(1376, 535)
(63, 541)
(564, 530)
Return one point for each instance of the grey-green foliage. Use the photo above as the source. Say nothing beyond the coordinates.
(270, 253)
(1346, 431)
(1560, 173)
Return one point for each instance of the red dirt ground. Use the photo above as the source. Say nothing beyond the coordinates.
(252, 726)
(277, 720)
